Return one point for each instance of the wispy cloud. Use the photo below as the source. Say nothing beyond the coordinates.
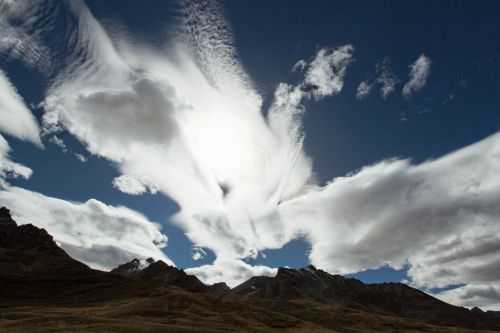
(19, 40)
(16, 119)
(58, 142)
(385, 79)
(81, 157)
(419, 73)
(364, 89)
(299, 66)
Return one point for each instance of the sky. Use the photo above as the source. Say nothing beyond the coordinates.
(232, 138)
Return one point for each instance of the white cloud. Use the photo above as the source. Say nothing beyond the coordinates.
(15, 117)
(439, 217)
(129, 185)
(419, 73)
(97, 234)
(364, 89)
(188, 141)
(188, 123)
(181, 141)
(211, 37)
(19, 40)
(102, 236)
(8, 168)
(232, 272)
(325, 73)
(141, 115)
(486, 296)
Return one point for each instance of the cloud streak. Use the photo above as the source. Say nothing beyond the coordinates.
(19, 39)
(16, 119)
(8, 168)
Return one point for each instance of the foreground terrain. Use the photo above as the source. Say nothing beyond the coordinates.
(42, 289)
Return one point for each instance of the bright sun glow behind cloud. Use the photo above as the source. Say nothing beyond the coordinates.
(189, 123)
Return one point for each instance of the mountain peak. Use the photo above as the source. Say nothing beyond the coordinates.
(150, 269)
(158, 267)
(133, 266)
(293, 283)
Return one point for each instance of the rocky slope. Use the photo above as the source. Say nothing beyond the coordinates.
(42, 289)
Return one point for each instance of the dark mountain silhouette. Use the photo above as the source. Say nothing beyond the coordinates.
(390, 298)
(42, 289)
(28, 252)
(160, 271)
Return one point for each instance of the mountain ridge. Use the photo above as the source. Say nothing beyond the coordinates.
(35, 272)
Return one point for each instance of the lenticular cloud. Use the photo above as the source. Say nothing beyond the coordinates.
(186, 120)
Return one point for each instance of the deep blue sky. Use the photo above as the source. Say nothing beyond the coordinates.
(343, 134)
